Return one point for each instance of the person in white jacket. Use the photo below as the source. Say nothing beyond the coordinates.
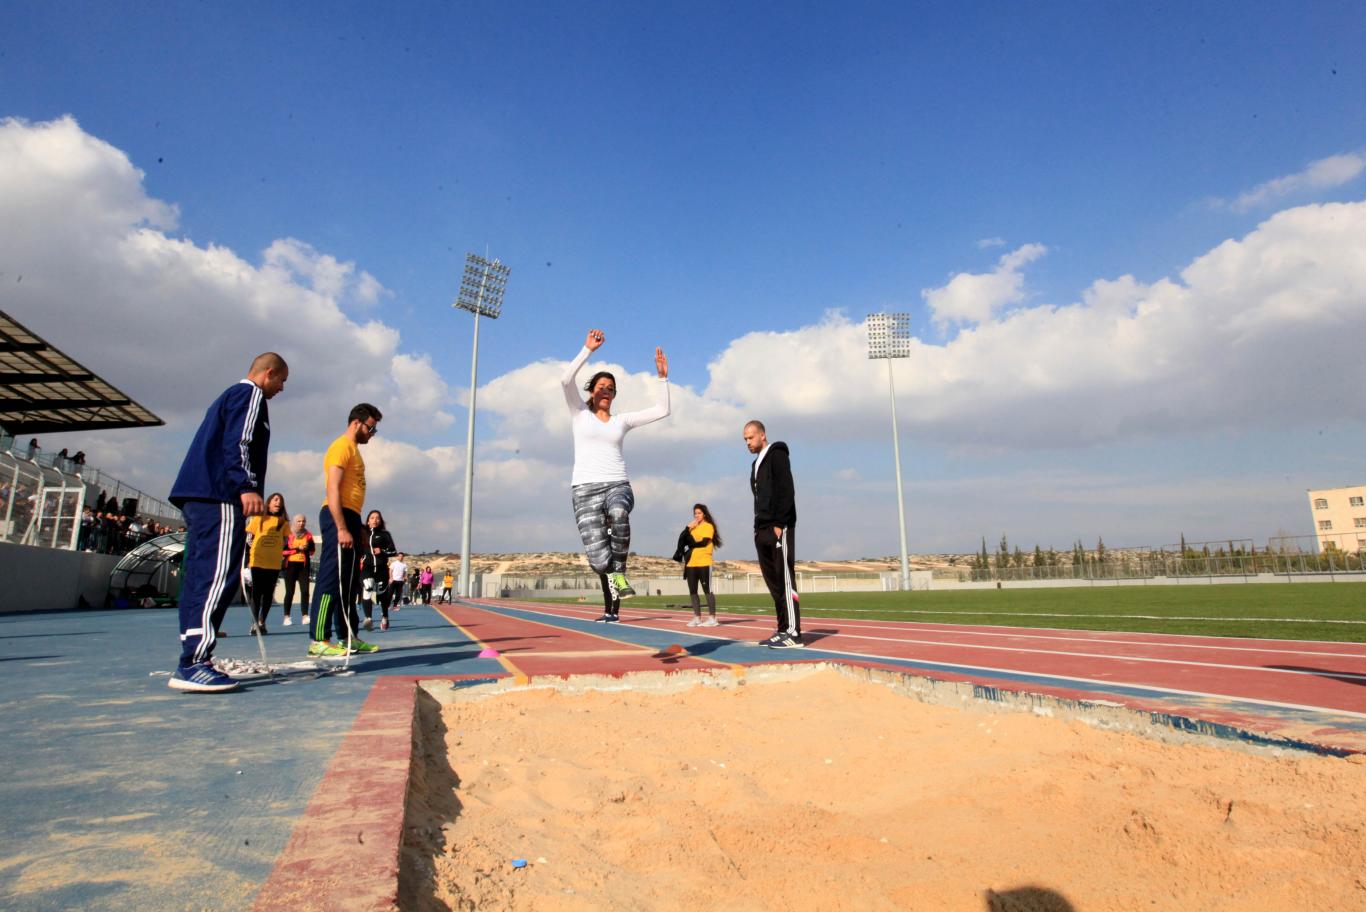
(601, 490)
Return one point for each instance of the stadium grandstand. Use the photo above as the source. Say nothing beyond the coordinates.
(44, 555)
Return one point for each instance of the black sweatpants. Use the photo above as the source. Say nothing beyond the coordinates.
(296, 573)
(777, 562)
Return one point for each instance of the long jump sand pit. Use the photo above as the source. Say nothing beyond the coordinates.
(813, 788)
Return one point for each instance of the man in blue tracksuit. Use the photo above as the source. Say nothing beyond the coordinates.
(221, 482)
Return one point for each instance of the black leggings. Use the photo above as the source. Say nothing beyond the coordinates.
(610, 606)
(700, 576)
(296, 573)
(262, 593)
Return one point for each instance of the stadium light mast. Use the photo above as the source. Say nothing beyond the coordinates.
(889, 336)
(481, 293)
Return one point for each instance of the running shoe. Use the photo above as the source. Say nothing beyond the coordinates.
(613, 618)
(709, 622)
(620, 588)
(787, 642)
(602, 620)
(363, 647)
(770, 641)
(201, 677)
(384, 624)
(304, 620)
(369, 624)
(324, 650)
(289, 621)
(695, 622)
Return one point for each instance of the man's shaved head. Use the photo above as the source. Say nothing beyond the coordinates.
(267, 361)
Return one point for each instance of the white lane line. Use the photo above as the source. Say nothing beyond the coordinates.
(961, 668)
(1343, 675)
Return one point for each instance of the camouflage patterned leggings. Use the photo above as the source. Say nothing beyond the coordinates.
(603, 513)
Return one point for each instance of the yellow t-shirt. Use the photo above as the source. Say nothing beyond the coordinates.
(267, 541)
(344, 452)
(447, 581)
(701, 556)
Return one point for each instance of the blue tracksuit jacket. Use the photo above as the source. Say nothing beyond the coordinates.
(228, 455)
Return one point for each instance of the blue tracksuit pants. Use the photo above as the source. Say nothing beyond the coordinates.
(215, 537)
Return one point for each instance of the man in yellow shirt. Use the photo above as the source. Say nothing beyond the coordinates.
(338, 579)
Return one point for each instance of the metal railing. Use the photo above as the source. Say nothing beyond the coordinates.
(42, 497)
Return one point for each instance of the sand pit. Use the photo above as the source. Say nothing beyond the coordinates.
(818, 790)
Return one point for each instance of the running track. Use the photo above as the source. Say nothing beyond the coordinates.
(1302, 691)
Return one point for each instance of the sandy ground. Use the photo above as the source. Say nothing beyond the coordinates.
(827, 792)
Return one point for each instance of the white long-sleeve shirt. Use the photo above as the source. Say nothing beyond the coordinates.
(597, 443)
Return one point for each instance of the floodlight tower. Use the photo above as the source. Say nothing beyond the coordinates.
(481, 293)
(889, 336)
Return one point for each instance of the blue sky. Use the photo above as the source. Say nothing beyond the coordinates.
(742, 186)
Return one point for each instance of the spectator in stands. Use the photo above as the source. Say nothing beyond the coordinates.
(221, 482)
(33, 448)
(87, 522)
(266, 539)
(298, 554)
(79, 458)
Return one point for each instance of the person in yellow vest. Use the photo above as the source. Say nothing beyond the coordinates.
(299, 548)
(338, 581)
(266, 534)
(697, 572)
(447, 583)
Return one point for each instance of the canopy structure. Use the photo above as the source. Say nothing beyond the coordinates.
(43, 390)
(152, 569)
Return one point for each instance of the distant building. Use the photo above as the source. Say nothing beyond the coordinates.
(1339, 517)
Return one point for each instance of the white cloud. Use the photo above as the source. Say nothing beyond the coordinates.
(1326, 173)
(988, 243)
(976, 297)
(1259, 335)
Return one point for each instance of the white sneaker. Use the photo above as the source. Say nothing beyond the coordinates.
(695, 622)
(304, 620)
(288, 621)
(709, 622)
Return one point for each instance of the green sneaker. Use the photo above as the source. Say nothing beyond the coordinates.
(319, 649)
(363, 647)
(620, 587)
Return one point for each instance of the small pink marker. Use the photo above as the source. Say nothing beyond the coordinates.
(488, 653)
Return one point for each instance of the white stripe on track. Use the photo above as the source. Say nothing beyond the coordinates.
(1157, 688)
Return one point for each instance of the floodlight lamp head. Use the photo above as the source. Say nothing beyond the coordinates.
(482, 286)
(889, 335)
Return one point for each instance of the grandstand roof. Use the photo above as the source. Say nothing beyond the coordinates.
(43, 390)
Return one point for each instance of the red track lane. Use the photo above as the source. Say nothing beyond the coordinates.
(531, 648)
(1318, 675)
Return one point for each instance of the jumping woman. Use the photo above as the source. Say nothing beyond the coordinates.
(601, 491)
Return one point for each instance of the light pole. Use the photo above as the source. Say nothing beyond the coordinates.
(481, 293)
(889, 336)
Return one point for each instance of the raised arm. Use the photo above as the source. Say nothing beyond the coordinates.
(570, 379)
(661, 406)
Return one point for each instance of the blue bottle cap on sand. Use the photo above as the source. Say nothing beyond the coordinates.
(519, 862)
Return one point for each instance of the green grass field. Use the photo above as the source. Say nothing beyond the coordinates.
(1296, 611)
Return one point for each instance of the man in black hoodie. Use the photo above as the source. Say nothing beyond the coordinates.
(775, 521)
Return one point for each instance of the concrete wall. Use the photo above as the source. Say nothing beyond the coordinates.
(47, 579)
